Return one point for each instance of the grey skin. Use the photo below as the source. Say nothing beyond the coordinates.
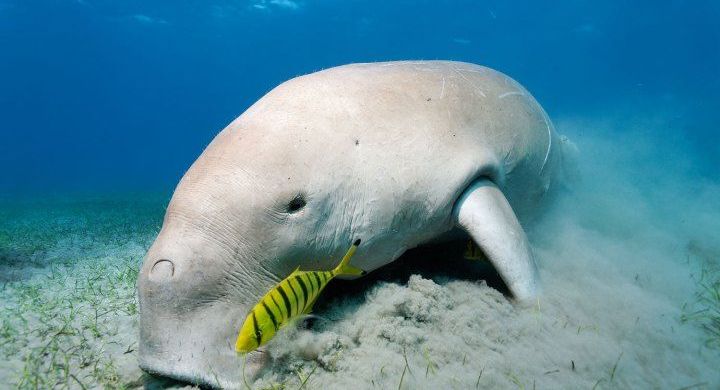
(399, 154)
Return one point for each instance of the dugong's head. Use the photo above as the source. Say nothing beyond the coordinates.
(272, 192)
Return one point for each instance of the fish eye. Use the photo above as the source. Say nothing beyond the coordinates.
(296, 204)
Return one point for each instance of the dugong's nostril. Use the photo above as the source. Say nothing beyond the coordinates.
(162, 270)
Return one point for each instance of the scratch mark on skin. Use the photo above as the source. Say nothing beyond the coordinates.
(547, 154)
(442, 90)
(459, 72)
(511, 93)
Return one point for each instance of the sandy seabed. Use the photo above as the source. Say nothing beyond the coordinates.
(629, 258)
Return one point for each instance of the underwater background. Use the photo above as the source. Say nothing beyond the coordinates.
(105, 104)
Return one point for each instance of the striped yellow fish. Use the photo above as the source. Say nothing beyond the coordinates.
(291, 298)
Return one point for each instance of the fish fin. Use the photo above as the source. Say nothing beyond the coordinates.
(485, 214)
(350, 270)
(344, 268)
(309, 307)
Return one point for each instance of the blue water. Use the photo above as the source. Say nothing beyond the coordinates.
(104, 104)
(101, 95)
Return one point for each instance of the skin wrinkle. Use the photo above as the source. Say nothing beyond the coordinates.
(246, 182)
(258, 257)
(346, 212)
(318, 229)
(251, 251)
(202, 224)
(205, 298)
(239, 269)
(236, 270)
(256, 253)
(248, 179)
(275, 215)
(271, 275)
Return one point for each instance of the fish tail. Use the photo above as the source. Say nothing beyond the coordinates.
(344, 268)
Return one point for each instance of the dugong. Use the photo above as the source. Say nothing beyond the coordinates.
(400, 154)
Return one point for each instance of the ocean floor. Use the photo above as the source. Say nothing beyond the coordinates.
(629, 258)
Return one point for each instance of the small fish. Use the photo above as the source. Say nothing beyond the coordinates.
(291, 298)
(473, 252)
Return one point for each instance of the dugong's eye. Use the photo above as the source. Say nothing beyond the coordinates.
(297, 203)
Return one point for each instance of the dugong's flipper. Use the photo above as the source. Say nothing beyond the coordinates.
(487, 217)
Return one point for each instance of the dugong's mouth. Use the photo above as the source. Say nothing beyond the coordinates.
(212, 372)
(164, 377)
(195, 345)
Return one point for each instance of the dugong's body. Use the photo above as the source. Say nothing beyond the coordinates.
(399, 154)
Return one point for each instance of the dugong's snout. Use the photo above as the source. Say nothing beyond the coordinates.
(190, 313)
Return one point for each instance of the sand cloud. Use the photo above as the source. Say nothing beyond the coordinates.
(618, 260)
